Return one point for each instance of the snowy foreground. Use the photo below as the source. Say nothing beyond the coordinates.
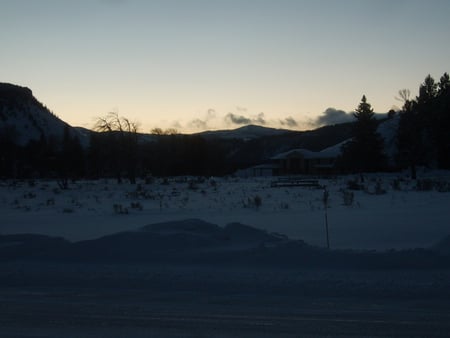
(398, 217)
(81, 288)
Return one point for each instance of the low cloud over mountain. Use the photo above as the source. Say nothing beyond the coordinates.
(289, 122)
(332, 116)
(239, 118)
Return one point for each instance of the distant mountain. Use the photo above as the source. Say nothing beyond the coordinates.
(23, 118)
(245, 133)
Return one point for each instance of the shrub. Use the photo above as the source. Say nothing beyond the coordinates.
(396, 184)
(136, 206)
(442, 186)
(284, 206)
(354, 185)
(379, 189)
(348, 197)
(253, 202)
(424, 185)
(119, 209)
(257, 201)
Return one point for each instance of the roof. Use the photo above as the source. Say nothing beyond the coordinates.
(266, 166)
(330, 152)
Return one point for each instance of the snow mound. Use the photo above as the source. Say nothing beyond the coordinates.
(194, 226)
(443, 246)
(244, 233)
(199, 242)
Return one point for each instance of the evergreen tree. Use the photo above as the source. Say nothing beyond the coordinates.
(442, 123)
(427, 91)
(409, 139)
(364, 153)
(423, 137)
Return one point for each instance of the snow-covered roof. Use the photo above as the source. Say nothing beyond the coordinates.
(293, 153)
(333, 151)
(388, 131)
(330, 152)
(266, 166)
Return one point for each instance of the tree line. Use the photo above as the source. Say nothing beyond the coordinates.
(117, 149)
(424, 129)
(423, 134)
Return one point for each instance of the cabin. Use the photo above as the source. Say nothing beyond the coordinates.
(298, 162)
(304, 162)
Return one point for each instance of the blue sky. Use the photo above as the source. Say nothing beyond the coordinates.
(191, 64)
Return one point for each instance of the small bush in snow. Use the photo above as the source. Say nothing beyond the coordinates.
(396, 184)
(192, 185)
(119, 209)
(379, 189)
(136, 206)
(284, 206)
(354, 185)
(424, 185)
(149, 179)
(257, 201)
(442, 186)
(253, 202)
(348, 197)
(29, 195)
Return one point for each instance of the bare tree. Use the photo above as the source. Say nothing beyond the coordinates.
(160, 131)
(123, 142)
(404, 95)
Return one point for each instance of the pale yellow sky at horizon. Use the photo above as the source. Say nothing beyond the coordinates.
(168, 63)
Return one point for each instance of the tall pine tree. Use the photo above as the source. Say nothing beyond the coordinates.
(365, 152)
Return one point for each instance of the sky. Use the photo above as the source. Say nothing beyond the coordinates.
(212, 64)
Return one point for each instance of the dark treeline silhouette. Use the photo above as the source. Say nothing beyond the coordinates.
(424, 128)
(116, 149)
(124, 155)
(42, 158)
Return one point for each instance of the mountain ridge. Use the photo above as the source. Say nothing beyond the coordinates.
(23, 118)
(247, 132)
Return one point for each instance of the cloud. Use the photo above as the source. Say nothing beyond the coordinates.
(198, 124)
(332, 116)
(242, 120)
(210, 114)
(260, 119)
(289, 122)
(205, 122)
(177, 125)
(212, 120)
(237, 119)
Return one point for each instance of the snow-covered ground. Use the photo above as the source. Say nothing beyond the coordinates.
(389, 212)
(52, 298)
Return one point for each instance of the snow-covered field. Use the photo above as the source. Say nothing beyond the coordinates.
(388, 212)
(93, 299)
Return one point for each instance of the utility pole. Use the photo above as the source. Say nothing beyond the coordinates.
(326, 196)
